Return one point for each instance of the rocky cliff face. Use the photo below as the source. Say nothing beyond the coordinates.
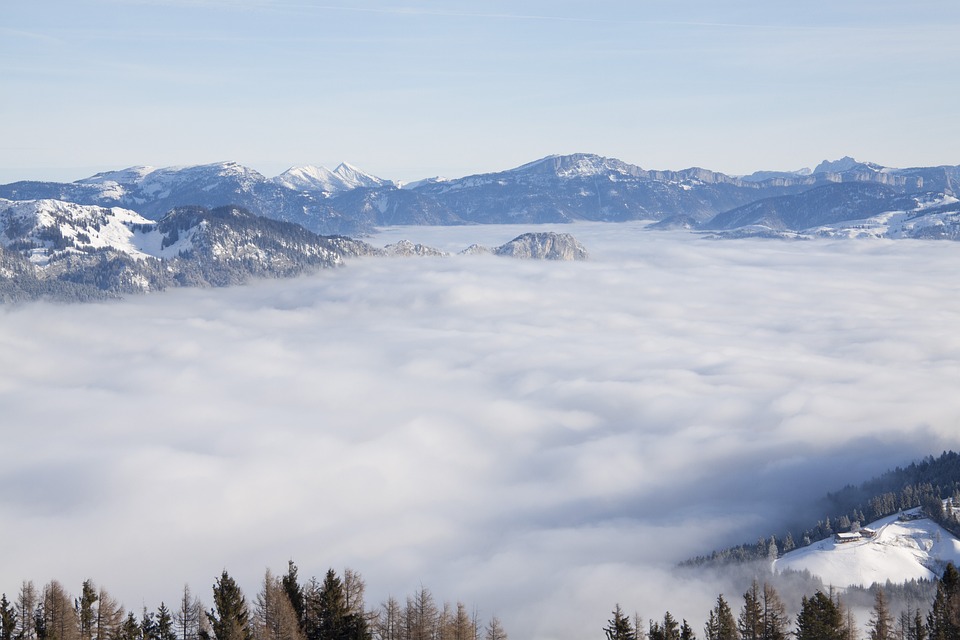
(543, 246)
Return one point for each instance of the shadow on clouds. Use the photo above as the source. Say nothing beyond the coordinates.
(541, 439)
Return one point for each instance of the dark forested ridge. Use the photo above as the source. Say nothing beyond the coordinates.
(284, 609)
(925, 483)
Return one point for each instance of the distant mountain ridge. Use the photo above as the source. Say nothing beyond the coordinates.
(560, 188)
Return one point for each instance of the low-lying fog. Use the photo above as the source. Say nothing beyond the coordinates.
(539, 439)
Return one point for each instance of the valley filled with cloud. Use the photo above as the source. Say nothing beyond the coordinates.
(539, 439)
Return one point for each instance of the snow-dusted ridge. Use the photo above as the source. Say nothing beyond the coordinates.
(55, 228)
(321, 180)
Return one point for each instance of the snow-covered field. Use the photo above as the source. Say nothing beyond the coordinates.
(901, 551)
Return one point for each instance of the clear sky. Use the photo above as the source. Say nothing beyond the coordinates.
(416, 88)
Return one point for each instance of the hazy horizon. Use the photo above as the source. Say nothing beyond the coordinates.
(457, 88)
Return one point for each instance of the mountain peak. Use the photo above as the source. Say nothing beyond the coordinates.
(320, 179)
(577, 165)
(354, 177)
(836, 166)
(123, 176)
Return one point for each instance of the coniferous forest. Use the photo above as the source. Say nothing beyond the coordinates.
(284, 609)
(822, 615)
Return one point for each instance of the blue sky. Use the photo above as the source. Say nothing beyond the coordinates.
(417, 88)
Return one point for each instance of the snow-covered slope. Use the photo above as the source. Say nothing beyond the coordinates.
(72, 251)
(935, 216)
(44, 229)
(901, 551)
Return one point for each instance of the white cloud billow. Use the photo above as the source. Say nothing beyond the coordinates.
(539, 439)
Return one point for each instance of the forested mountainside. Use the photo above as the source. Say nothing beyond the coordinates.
(64, 251)
(925, 483)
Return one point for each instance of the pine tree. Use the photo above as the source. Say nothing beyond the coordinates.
(294, 591)
(333, 607)
(788, 543)
(312, 610)
(881, 622)
(819, 619)
(130, 629)
(40, 621)
(164, 624)
(148, 625)
(750, 622)
(943, 620)
(619, 627)
(918, 631)
(8, 619)
(720, 622)
(667, 630)
(88, 598)
(229, 619)
(686, 631)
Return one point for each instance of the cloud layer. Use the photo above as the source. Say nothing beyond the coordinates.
(539, 439)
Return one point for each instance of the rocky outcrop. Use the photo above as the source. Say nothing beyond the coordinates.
(543, 246)
(407, 249)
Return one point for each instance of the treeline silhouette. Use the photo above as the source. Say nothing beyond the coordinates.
(284, 609)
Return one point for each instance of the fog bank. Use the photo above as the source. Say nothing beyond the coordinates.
(542, 440)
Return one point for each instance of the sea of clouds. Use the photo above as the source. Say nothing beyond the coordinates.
(541, 440)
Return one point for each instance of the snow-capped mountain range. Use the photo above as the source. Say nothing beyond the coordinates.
(553, 189)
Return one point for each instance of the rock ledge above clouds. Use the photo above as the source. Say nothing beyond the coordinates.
(543, 246)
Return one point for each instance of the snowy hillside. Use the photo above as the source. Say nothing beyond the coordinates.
(900, 551)
(936, 216)
(43, 229)
(68, 251)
